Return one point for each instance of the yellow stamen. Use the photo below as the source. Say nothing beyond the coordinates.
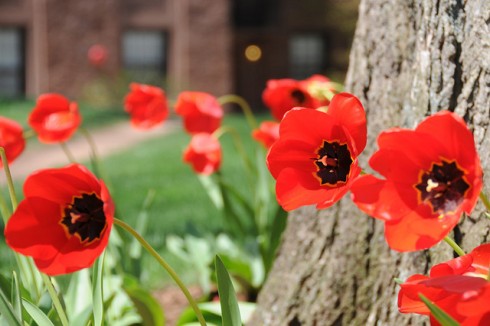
(431, 185)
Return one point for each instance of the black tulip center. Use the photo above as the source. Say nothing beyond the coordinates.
(299, 96)
(333, 163)
(85, 217)
(443, 187)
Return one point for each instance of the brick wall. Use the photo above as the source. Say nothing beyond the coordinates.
(72, 27)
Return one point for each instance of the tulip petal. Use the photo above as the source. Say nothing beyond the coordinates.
(349, 112)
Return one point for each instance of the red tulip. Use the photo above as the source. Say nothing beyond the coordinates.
(319, 87)
(64, 221)
(315, 158)
(147, 105)
(267, 133)
(459, 287)
(201, 112)
(203, 153)
(54, 118)
(281, 95)
(97, 55)
(432, 175)
(11, 139)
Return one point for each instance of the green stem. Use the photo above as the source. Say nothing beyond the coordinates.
(68, 154)
(10, 182)
(328, 91)
(33, 273)
(4, 209)
(91, 143)
(29, 134)
(455, 246)
(56, 301)
(485, 201)
(165, 265)
(94, 156)
(238, 144)
(240, 101)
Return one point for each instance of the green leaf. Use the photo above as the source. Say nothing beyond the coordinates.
(440, 315)
(135, 248)
(263, 189)
(229, 306)
(98, 297)
(188, 317)
(212, 313)
(277, 229)
(79, 295)
(148, 308)
(36, 314)
(16, 297)
(213, 190)
(246, 309)
(7, 311)
(6, 286)
(233, 193)
(233, 215)
(238, 267)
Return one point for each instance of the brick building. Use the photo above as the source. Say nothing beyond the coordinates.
(219, 46)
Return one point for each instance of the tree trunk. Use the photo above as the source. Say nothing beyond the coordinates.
(410, 58)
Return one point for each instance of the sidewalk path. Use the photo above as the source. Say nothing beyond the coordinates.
(108, 140)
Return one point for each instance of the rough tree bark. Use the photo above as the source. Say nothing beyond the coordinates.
(410, 58)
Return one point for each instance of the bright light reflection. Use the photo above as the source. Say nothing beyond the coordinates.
(253, 53)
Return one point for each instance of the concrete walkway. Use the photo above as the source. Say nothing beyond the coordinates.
(108, 140)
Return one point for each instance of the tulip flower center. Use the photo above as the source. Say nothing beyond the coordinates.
(333, 163)
(299, 96)
(443, 187)
(85, 217)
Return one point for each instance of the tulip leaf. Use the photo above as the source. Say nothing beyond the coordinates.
(135, 248)
(233, 192)
(440, 315)
(36, 314)
(278, 225)
(398, 280)
(5, 285)
(230, 312)
(98, 298)
(235, 206)
(7, 311)
(212, 314)
(148, 308)
(212, 189)
(16, 297)
(78, 297)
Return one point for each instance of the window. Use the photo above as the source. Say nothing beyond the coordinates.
(306, 55)
(144, 55)
(11, 62)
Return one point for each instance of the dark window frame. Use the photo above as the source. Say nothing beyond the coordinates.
(20, 71)
(141, 69)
